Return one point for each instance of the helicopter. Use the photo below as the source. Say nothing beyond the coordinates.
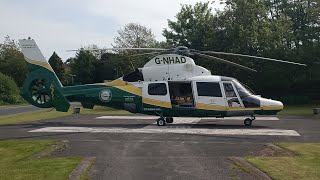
(169, 85)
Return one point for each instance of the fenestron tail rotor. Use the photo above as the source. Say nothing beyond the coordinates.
(39, 93)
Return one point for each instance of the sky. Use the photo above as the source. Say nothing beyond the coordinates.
(61, 25)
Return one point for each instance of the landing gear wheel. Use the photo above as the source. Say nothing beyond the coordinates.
(169, 120)
(161, 122)
(248, 122)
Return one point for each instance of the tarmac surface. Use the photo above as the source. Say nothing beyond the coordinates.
(135, 148)
(10, 110)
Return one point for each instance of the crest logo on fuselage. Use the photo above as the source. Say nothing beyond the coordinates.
(105, 95)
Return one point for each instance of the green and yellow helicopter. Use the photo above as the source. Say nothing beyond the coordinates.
(169, 85)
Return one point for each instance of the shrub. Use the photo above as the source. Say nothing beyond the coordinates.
(9, 92)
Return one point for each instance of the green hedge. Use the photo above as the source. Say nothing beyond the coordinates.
(9, 91)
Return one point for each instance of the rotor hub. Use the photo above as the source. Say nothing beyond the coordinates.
(182, 50)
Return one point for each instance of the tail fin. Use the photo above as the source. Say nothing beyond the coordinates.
(42, 87)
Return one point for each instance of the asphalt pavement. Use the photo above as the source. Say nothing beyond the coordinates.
(10, 110)
(138, 149)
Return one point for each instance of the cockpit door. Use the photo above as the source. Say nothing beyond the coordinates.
(232, 98)
(209, 96)
(155, 96)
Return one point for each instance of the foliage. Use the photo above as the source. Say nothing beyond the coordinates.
(105, 67)
(9, 92)
(280, 29)
(134, 35)
(298, 110)
(12, 62)
(58, 66)
(192, 28)
(82, 66)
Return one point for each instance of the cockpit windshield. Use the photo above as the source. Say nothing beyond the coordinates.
(243, 92)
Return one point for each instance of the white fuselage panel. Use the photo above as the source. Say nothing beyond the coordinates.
(172, 67)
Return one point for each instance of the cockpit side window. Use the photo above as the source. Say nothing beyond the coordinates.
(242, 91)
(229, 90)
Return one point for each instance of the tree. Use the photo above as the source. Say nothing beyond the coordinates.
(82, 66)
(9, 92)
(57, 65)
(106, 67)
(280, 29)
(134, 35)
(193, 27)
(12, 62)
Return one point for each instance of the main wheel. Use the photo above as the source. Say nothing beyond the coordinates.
(169, 120)
(161, 122)
(248, 122)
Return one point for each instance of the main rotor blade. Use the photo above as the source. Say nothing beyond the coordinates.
(256, 57)
(142, 54)
(106, 49)
(225, 61)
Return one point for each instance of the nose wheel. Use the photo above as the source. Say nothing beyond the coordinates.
(161, 121)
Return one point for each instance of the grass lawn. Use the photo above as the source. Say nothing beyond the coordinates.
(48, 114)
(15, 161)
(298, 110)
(13, 105)
(31, 116)
(305, 165)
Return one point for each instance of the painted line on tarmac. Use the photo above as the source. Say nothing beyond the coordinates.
(128, 117)
(177, 120)
(259, 118)
(179, 130)
(181, 119)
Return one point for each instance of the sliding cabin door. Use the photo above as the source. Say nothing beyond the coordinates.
(155, 96)
(209, 96)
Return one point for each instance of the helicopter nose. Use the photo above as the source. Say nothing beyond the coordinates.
(269, 104)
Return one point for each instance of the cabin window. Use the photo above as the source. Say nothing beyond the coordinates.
(159, 89)
(211, 89)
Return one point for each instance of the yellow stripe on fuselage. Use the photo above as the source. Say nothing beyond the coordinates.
(222, 108)
(156, 103)
(272, 107)
(210, 107)
(40, 63)
(131, 89)
(117, 82)
(122, 85)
